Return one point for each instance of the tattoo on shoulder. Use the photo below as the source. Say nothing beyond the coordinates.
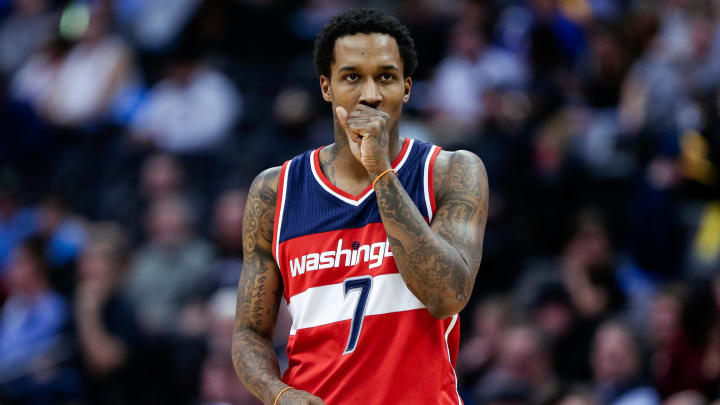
(463, 189)
(257, 247)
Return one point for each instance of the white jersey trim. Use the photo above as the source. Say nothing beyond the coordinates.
(327, 304)
(426, 181)
(282, 210)
(369, 192)
(447, 346)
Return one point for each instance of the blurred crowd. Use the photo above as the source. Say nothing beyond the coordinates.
(131, 129)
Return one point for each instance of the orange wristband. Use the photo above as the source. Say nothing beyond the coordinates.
(382, 174)
(280, 393)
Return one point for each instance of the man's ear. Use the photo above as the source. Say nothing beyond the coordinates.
(408, 86)
(325, 88)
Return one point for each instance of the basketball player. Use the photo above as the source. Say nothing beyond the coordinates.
(374, 242)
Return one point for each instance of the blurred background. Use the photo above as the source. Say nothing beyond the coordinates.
(131, 129)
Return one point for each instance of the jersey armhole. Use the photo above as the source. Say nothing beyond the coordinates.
(279, 208)
(429, 187)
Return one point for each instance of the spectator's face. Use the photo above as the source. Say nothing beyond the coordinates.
(554, 319)
(664, 319)
(489, 319)
(615, 358)
(96, 264)
(521, 355)
(590, 245)
(8, 203)
(25, 271)
(467, 41)
(575, 399)
(229, 217)
(367, 69)
(160, 176)
(50, 217)
(169, 222)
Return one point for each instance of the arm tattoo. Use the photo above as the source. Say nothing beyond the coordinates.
(439, 262)
(259, 293)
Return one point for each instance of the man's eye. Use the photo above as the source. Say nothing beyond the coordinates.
(352, 77)
(387, 76)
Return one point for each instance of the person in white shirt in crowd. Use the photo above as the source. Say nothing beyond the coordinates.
(191, 110)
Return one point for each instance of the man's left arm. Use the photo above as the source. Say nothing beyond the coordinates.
(439, 262)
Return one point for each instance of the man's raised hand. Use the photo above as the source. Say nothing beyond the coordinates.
(368, 134)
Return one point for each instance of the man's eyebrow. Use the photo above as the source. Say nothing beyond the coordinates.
(381, 67)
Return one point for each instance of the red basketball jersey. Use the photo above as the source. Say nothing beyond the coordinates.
(358, 336)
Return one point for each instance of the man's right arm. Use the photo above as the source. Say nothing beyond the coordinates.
(259, 293)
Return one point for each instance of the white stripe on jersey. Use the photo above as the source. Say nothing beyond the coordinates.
(447, 346)
(370, 191)
(327, 304)
(280, 217)
(426, 183)
(407, 153)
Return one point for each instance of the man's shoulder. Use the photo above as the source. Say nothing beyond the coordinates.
(267, 180)
(451, 161)
(457, 169)
(264, 189)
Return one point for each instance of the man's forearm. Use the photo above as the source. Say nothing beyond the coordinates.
(431, 268)
(256, 364)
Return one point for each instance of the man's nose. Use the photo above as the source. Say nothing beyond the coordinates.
(369, 94)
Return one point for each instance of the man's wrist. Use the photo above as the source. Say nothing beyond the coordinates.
(386, 173)
(275, 389)
(376, 171)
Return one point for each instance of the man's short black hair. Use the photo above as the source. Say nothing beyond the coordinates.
(363, 21)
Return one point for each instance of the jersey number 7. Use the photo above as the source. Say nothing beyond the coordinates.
(364, 284)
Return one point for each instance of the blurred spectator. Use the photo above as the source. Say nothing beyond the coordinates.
(702, 67)
(66, 236)
(170, 269)
(478, 352)
(554, 315)
(154, 24)
(583, 277)
(227, 232)
(219, 381)
(617, 368)
(35, 351)
(16, 221)
(191, 109)
(161, 176)
(608, 62)
(31, 24)
(575, 396)
(692, 357)
(664, 331)
(523, 369)
(653, 94)
(107, 331)
(92, 74)
(34, 82)
(463, 77)
(687, 398)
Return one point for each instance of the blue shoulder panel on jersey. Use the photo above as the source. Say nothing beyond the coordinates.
(309, 208)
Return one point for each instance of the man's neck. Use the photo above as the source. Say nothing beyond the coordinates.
(342, 168)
